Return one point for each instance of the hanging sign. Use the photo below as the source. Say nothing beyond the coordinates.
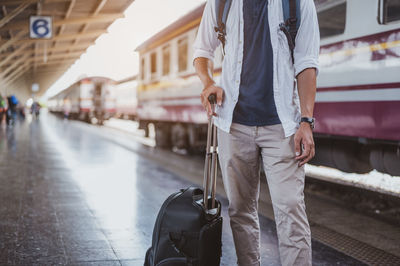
(41, 27)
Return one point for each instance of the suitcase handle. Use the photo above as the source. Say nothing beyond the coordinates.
(210, 166)
(212, 98)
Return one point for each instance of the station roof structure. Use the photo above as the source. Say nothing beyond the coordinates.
(76, 24)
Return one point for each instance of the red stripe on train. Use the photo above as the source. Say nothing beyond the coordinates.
(374, 120)
(394, 85)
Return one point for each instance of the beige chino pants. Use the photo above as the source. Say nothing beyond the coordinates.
(239, 156)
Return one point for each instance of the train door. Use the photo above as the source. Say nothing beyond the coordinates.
(85, 100)
(109, 99)
(98, 100)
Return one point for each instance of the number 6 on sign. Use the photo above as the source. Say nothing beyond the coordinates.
(41, 27)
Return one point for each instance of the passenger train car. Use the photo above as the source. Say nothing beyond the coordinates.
(125, 96)
(357, 107)
(89, 99)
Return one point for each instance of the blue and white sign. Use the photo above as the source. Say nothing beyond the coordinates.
(41, 27)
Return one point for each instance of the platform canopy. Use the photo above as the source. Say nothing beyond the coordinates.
(40, 39)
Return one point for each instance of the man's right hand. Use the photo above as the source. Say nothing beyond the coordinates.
(207, 91)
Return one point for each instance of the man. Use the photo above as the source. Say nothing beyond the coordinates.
(258, 114)
(3, 108)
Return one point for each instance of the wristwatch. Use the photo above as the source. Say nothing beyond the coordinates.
(309, 120)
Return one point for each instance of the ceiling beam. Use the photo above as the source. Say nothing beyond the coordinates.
(13, 66)
(52, 69)
(91, 34)
(19, 71)
(18, 51)
(57, 57)
(27, 65)
(56, 62)
(15, 12)
(16, 2)
(67, 14)
(99, 6)
(60, 47)
(12, 41)
(17, 75)
(100, 18)
(5, 13)
(38, 13)
(29, 58)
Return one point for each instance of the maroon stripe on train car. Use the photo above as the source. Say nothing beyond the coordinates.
(171, 98)
(394, 85)
(374, 120)
(173, 113)
(126, 110)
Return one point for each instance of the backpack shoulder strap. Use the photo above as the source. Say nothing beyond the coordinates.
(221, 13)
(292, 18)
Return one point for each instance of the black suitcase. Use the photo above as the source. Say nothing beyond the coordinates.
(187, 231)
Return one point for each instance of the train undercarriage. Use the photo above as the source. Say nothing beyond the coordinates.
(352, 155)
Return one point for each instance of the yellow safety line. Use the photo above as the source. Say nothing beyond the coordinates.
(369, 48)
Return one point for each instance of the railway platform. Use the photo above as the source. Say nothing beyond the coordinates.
(78, 194)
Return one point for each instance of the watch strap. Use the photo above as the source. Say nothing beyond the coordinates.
(309, 120)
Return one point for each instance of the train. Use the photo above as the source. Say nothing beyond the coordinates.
(125, 96)
(357, 107)
(91, 99)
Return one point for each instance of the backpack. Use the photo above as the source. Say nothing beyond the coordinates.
(184, 233)
(13, 100)
(290, 26)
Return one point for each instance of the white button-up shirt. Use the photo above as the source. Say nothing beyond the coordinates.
(285, 93)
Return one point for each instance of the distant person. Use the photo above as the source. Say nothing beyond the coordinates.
(67, 108)
(35, 109)
(3, 109)
(21, 111)
(12, 109)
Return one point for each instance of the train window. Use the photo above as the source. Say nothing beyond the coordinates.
(331, 17)
(166, 51)
(153, 61)
(142, 66)
(389, 11)
(182, 54)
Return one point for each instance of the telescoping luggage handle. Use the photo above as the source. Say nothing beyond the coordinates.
(210, 166)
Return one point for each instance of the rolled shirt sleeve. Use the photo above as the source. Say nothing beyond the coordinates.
(206, 41)
(306, 51)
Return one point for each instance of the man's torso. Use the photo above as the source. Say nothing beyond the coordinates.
(256, 105)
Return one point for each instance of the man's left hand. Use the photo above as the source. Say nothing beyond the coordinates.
(304, 144)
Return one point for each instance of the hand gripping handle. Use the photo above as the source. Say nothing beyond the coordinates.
(212, 98)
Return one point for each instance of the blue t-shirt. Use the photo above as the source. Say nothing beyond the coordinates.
(256, 105)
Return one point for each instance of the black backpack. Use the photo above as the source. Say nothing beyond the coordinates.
(184, 233)
(188, 228)
(291, 14)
